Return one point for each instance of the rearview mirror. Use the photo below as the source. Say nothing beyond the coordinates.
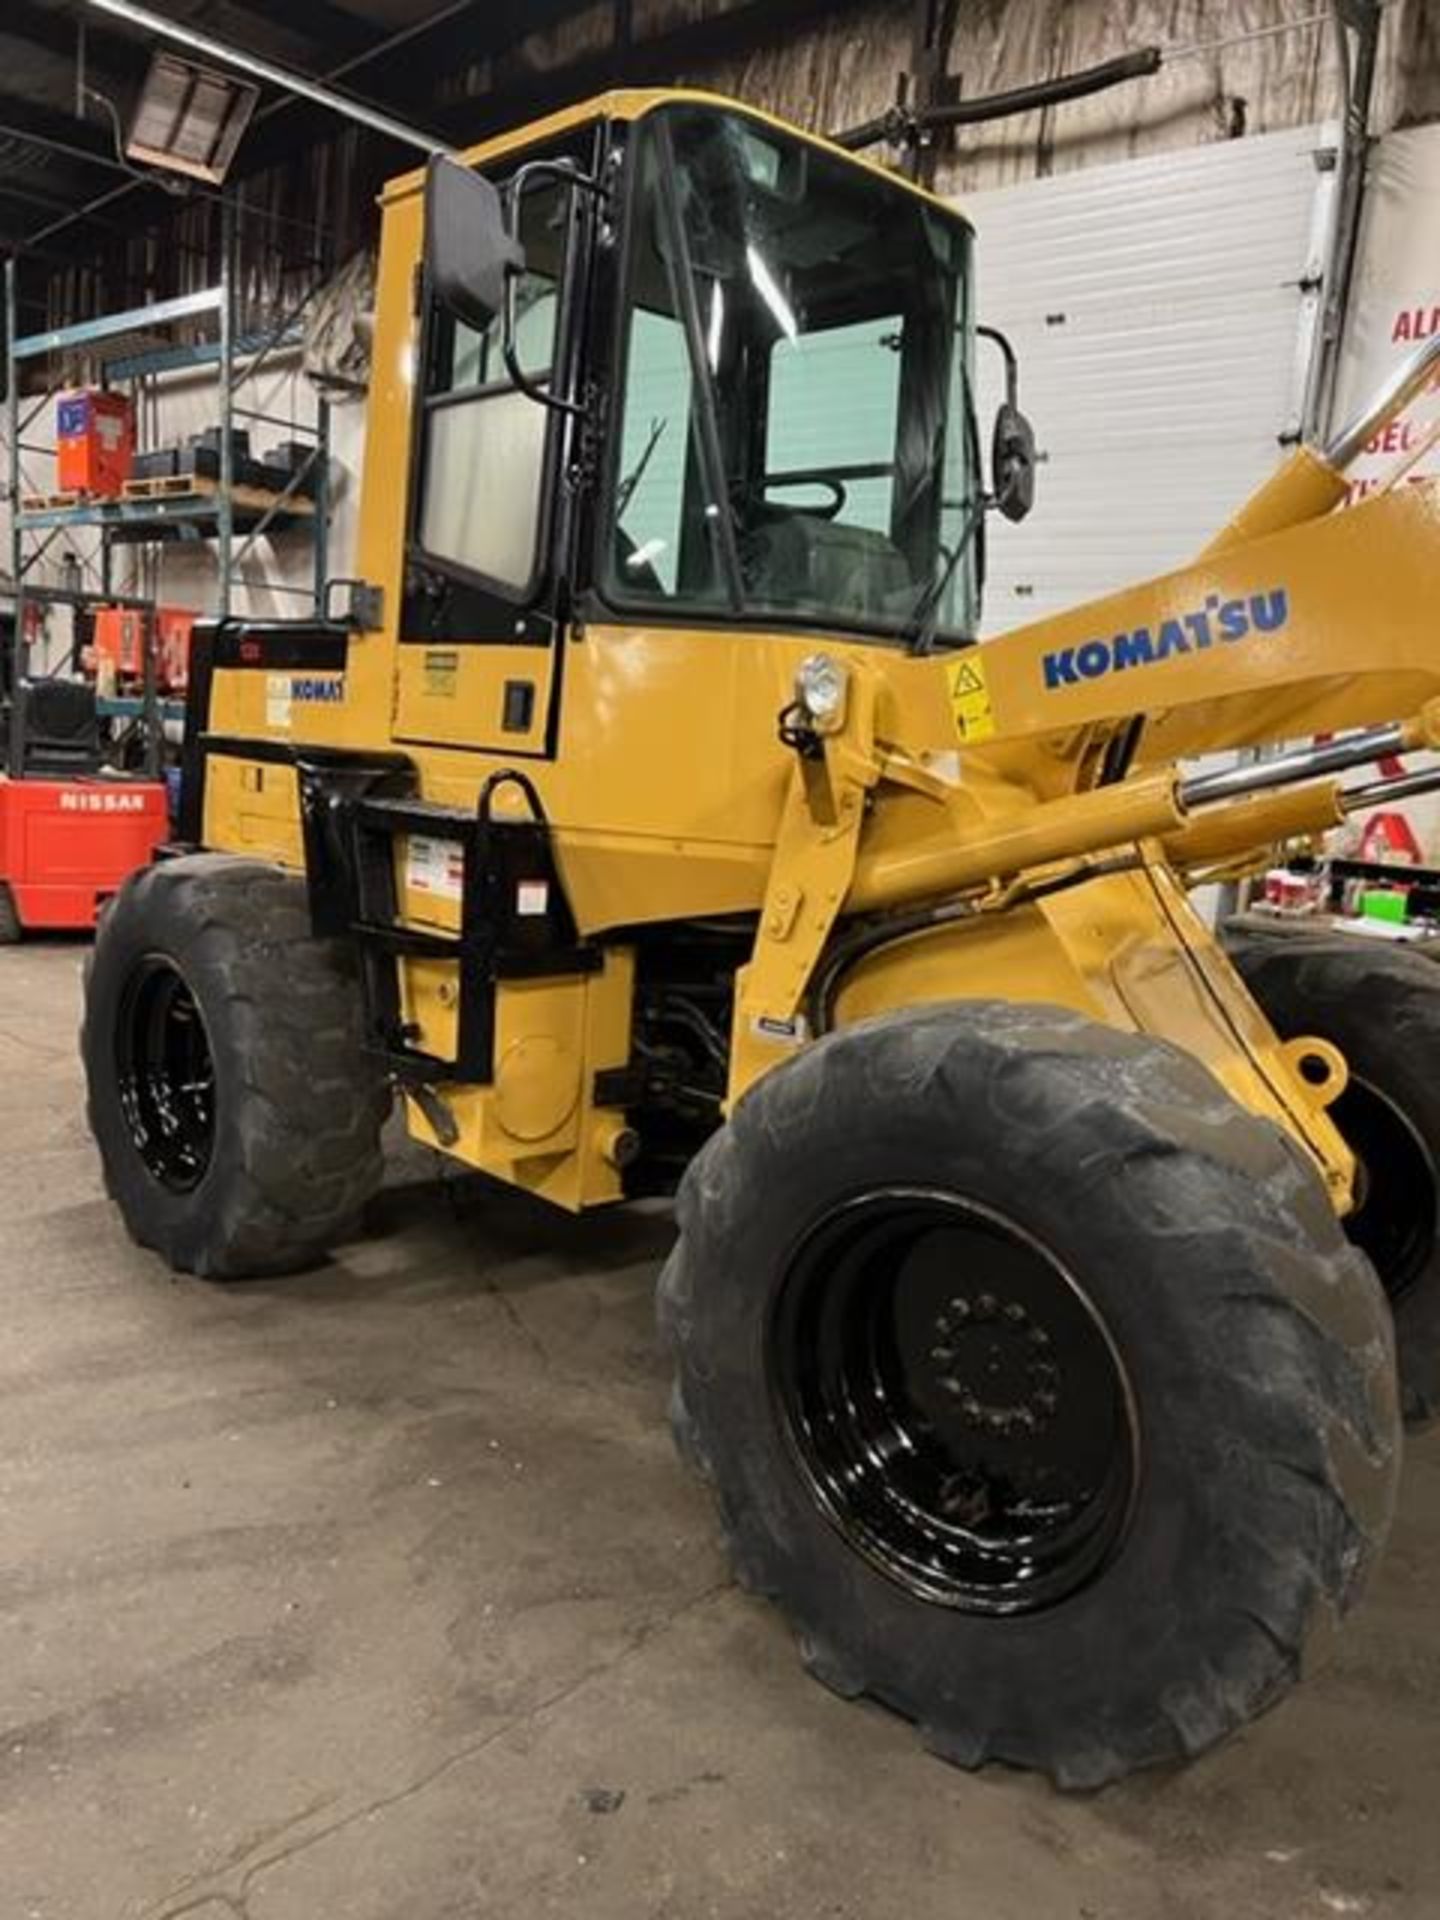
(470, 251)
(1012, 462)
(1012, 445)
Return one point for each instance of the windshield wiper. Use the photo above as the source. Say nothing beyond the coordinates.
(625, 492)
(919, 630)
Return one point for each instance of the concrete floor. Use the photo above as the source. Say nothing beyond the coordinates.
(378, 1595)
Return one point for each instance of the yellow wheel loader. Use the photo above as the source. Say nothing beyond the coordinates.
(650, 817)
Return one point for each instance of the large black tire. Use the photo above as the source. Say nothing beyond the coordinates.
(1258, 1431)
(237, 1114)
(1380, 1005)
(10, 927)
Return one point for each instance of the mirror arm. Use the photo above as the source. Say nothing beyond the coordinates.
(563, 170)
(520, 380)
(1012, 365)
(571, 175)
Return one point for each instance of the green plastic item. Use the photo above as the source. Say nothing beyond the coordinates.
(1384, 903)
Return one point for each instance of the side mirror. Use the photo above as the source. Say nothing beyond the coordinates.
(469, 249)
(1012, 462)
(1012, 445)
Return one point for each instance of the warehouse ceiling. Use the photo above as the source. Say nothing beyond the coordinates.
(77, 212)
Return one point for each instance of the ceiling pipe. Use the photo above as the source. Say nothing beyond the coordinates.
(273, 76)
(906, 126)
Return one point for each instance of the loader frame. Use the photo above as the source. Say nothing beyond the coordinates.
(990, 821)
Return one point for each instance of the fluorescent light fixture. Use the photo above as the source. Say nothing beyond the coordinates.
(770, 293)
(190, 118)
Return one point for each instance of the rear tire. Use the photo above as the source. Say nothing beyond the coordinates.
(10, 927)
(237, 1114)
(1380, 1006)
(910, 1453)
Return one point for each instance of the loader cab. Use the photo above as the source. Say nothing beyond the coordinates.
(793, 440)
(689, 369)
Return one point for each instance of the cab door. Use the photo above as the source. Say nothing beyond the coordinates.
(479, 623)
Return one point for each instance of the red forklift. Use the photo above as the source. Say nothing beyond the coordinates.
(83, 799)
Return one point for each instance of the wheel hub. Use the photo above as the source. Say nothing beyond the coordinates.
(995, 1360)
(165, 1074)
(1394, 1219)
(954, 1402)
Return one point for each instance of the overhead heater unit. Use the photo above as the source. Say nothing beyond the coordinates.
(190, 118)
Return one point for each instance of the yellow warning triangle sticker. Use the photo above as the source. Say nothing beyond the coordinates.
(970, 698)
(967, 679)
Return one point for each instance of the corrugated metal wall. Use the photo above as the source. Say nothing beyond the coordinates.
(1163, 311)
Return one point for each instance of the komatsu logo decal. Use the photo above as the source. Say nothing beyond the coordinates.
(317, 689)
(1217, 623)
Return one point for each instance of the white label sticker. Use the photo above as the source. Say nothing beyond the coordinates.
(532, 897)
(794, 1031)
(277, 700)
(436, 867)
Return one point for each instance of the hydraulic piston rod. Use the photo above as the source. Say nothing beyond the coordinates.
(1410, 378)
(1335, 756)
(1380, 793)
(1250, 824)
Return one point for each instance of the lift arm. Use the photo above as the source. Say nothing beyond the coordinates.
(1293, 621)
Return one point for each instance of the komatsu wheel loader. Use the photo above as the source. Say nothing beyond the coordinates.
(652, 816)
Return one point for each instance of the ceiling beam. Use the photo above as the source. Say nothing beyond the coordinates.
(495, 29)
(109, 56)
(331, 31)
(653, 60)
(55, 203)
(81, 140)
(480, 31)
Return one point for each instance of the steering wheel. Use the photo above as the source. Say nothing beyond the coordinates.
(830, 509)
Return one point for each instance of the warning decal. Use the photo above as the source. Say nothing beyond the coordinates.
(436, 867)
(277, 701)
(442, 673)
(970, 697)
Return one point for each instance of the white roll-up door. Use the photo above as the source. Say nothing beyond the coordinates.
(1163, 311)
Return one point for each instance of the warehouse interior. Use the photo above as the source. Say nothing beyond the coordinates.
(719, 890)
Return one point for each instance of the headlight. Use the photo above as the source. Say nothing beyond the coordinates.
(821, 686)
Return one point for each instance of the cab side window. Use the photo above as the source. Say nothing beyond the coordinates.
(484, 442)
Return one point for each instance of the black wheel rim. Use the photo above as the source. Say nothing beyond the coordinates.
(1394, 1218)
(954, 1402)
(166, 1075)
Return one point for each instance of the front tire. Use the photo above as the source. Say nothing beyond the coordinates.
(237, 1114)
(1381, 1007)
(1034, 1380)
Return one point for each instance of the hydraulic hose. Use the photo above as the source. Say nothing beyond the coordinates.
(871, 936)
(906, 124)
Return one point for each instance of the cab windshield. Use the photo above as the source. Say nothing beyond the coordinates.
(797, 444)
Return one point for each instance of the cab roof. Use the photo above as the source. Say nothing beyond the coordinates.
(633, 103)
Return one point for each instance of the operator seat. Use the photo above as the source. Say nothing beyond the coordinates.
(62, 730)
(804, 560)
